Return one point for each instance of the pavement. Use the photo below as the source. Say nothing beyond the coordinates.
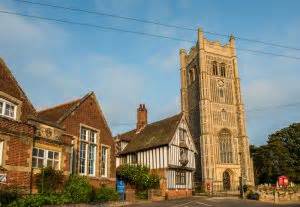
(212, 202)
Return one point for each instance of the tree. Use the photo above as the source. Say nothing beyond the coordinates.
(280, 156)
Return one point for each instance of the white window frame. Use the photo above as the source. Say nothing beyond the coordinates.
(93, 165)
(4, 105)
(89, 137)
(1, 151)
(45, 157)
(107, 156)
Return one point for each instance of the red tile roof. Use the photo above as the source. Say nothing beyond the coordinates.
(57, 113)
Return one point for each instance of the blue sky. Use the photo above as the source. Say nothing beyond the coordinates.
(55, 63)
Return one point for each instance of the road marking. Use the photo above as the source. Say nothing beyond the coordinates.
(184, 203)
(203, 203)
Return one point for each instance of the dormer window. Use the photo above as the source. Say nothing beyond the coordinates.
(8, 109)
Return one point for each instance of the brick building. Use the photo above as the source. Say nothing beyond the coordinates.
(73, 137)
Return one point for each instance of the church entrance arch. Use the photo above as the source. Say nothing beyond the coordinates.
(226, 180)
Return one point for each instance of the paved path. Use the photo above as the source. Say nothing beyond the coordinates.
(212, 202)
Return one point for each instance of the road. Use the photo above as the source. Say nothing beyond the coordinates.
(212, 202)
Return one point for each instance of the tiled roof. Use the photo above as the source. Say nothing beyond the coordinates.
(10, 86)
(57, 113)
(152, 135)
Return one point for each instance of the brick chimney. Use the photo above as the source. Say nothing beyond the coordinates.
(141, 117)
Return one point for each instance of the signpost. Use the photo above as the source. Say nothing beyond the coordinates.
(121, 189)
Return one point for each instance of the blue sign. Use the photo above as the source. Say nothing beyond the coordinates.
(120, 186)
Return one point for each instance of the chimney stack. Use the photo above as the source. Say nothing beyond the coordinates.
(141, 117)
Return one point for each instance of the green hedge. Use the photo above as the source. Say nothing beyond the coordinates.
(105, 194)
(8, 195)
(78, 188)
(139, 176)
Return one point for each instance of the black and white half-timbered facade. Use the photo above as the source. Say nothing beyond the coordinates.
(166, 147)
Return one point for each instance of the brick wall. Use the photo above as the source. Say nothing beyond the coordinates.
(89, 114)
(18, 152)
(178, 193)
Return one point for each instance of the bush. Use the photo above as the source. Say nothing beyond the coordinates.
(105, 194)
(8, 195)
(78, 188)
(40, 200)
(139, 176)
(142, 194)
(49, 180)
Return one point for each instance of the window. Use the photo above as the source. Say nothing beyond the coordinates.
(223, 73)
(180, 178)
(191, 75)
(215, 68)
(182, 135)
(92, 159)
(45, 158)
(104, 161)
(225, 146)
(82, 157)
(1, 152)
(7, 109)
(87, 151)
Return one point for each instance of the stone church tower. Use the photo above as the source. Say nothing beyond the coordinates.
(211, 100)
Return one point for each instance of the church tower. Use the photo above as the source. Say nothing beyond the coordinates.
(212, 102)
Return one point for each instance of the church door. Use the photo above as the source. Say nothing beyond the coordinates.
(226, 181)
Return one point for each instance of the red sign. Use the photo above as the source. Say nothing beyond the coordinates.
(208, 186)
(283, 181)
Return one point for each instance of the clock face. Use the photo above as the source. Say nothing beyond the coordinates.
(220, 83)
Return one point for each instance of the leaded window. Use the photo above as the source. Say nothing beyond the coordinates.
(104, 161)
(8, 109)
(225, 145)
(180, 177)
(87, 151)
(45, 158)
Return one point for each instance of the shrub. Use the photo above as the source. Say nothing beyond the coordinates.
(139, 176)
(142, 194)
(105, 194)
(8, 195)
(49, 180)
(38, 200)
(78, 188)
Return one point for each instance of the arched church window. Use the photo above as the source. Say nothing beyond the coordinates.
(225, 145)
(191, 75)
(222, 69)
(215, 68)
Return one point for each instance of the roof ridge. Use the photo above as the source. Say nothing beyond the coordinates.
(81, 100)
(59, 105)
(164, 119)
